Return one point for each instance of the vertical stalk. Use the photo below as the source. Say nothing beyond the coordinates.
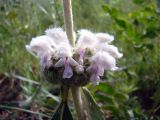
(68, 20)
(64, 93)
(76, 93)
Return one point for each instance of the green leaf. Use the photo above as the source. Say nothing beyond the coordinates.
(106, 8)
(94, 112)
(113, 12)
(4, 31)
(112, 108)
(106, 88)
(138, 1)
(106, 99)
(121, 96)
(150, 33)
(120, 22)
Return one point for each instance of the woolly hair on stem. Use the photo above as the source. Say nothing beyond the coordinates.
(68, 20)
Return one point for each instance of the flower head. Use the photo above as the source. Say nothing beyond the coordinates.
(90, 57)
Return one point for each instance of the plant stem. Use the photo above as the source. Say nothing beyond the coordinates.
(64, 93)
(76, 93)
(68, 20)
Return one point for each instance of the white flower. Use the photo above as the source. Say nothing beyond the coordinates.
(98, 63)
(104, 37)
(45, 62)
(87, 40)
(104, 60)
(41, 45)
(44, 48)
(110, 49)
(60, 38)
(57, 35)
(95, 72)
(64, 50)
(79, 69)
(55, 44)
(95, 79)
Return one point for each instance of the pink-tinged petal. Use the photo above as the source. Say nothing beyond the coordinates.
(41, 45)
(63, 50)
(57, 35)
(109, 62)
(60, 63)
(104, 60)
(86, 40)
(72, 62)
(81, 56)
(95, 79)
(43, 62)
(30, 50)
(79, 69)
(114, 69)
(100, 71)
(104, 37)
(95, 72)
(68, 72)
(89, 69)
(110, 49)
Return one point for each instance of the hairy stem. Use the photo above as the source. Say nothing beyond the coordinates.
(76, 93)
(68, 20)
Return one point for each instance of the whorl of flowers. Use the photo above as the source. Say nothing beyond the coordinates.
(90, 57)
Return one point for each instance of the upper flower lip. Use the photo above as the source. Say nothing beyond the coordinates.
(104, 37)
(57, 35)
(110, 49)
(41, 45)
(86, 40)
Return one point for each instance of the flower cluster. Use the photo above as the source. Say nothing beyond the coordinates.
(91, 55)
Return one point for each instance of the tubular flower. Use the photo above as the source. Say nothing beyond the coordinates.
(67, 63)
(87, 40)
(44, 48)
(99, 62)
(85, 62)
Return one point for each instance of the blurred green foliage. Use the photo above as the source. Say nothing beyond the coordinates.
(131, 93)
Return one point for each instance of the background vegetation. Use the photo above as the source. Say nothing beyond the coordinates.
(132, 93)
